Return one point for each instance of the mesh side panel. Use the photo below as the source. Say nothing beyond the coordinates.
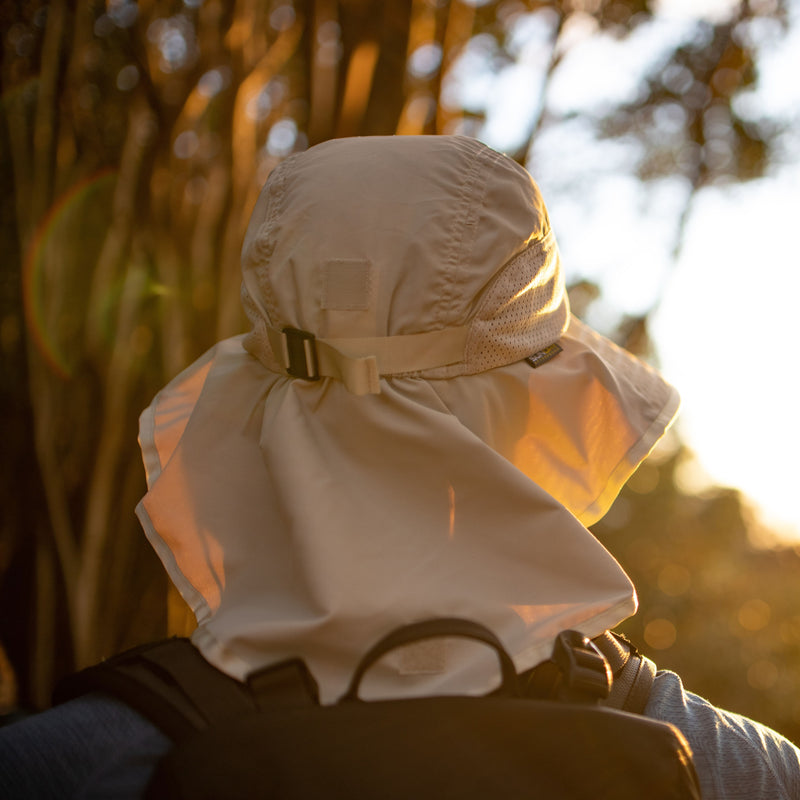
(256, 261)
(523, 311)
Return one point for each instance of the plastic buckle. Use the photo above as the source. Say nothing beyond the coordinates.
(586, 674)
(301, 354)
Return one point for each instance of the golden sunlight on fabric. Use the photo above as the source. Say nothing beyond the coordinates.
(198, 554)
(600, 439)
(451, 497)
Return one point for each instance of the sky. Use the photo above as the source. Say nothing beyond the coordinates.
(724, 310)
(727, 337)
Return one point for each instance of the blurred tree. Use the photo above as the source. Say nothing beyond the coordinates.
(135, 139)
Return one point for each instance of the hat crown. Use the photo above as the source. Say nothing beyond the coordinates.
(384, 236)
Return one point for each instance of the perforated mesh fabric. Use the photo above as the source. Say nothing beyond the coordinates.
(524, 310)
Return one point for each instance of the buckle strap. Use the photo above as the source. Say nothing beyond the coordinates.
(617, 650)
(577, 672)
(633, 673)
(585, 671)
(360, 362)
(641, 686)
(299, 354)
(631, 689)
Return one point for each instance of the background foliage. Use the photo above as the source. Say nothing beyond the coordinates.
(134, 140)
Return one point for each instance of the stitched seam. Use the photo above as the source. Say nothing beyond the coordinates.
(463, 231)
(276, 208)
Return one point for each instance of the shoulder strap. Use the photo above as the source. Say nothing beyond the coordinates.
(633, 673)
(171, 684)
(637, 679)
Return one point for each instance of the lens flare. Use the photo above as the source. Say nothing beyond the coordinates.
(34, 283)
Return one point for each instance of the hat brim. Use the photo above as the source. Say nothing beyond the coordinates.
(296, 518)
(578, 426)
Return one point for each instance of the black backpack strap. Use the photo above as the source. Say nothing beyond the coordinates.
(169, 682)
(633, 673)
(173, 685)
(288, 684)
(577, 672)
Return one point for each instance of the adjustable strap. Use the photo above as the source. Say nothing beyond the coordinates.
(359, 363)
(169, 682)
(643, 673)
(585, 672)
(577, 672)
(173, 685)
(633, 673)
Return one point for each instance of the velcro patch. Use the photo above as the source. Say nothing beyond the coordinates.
(346, 284)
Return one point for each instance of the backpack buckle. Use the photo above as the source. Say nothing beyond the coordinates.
(586, 674)
(300, 354)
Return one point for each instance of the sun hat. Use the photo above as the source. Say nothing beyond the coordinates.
(414, 426)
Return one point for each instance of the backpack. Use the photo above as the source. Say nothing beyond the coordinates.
(269, 737)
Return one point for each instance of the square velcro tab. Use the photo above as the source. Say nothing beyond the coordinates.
(346, 284)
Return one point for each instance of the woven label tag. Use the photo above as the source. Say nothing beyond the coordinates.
(543, 356)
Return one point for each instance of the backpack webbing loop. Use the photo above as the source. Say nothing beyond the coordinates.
(434, 628)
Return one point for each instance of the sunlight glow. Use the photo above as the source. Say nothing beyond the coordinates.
(451, 498)
(727, 337)
(722, 293)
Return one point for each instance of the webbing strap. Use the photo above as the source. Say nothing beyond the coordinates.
(633, 673)
(169, 682)
(641, 684)
(216, 695)
(360, 362)
(616, 650)
(172, 684)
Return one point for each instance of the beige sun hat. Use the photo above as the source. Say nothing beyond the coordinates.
(414, 427)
